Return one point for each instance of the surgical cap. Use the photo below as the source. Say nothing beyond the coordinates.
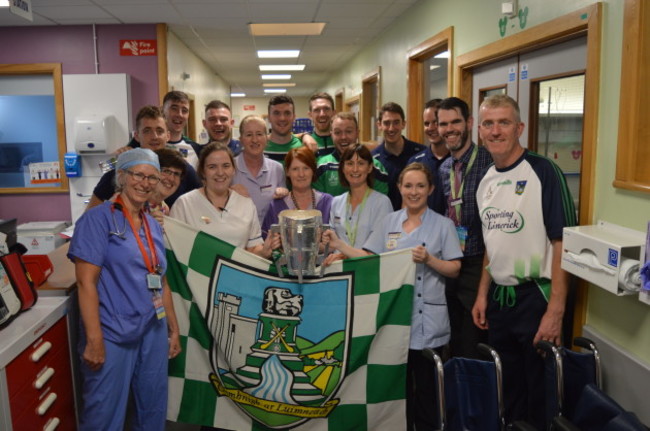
(137, 156)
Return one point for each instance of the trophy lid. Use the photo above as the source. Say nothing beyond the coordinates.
(299, 214)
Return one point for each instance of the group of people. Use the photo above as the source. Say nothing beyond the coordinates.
(484, 224)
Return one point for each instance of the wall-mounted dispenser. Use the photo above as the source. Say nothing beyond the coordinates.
(92, 134)
(606, 255)
(72, 165)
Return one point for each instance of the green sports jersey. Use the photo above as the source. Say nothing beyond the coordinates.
(277, 152)
(327, 169)
(323, 141)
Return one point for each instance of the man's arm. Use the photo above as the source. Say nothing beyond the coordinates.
(93, 202)
(309, 142)
(480, 305)
(550, 327)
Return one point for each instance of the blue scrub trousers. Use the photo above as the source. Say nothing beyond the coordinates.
(140, 367)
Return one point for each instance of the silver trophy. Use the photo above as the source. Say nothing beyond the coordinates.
(301, 232)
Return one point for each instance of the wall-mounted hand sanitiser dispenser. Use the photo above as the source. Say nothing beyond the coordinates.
(92, 134)
(606, 255)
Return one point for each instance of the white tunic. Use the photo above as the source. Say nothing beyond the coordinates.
(237, 224)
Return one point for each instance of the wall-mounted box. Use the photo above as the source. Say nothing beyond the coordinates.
(604, 254)
(91, 97)
(72, 165)
(92, 133)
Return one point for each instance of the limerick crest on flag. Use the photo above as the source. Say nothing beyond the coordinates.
(280, 348)
(264, 353)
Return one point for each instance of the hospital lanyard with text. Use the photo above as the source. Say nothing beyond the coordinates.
(352, 233)
(456, 199)
(153, 277)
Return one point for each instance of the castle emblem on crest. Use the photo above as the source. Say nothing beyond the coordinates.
(268, 364)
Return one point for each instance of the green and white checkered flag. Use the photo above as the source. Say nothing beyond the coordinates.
(262, 352)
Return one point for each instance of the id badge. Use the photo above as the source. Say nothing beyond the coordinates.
(154, 281)
(461, 231)
(158, 305)
(391, 243)
(456, 202)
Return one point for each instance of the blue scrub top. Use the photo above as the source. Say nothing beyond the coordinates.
(430, 320)
(377, 206)
(125, 303)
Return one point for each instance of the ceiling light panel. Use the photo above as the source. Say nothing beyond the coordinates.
(275, 90)
(277, 84)
(278, 53)
(281, 67)
(287, 29)
(276, 76)
(237, 94)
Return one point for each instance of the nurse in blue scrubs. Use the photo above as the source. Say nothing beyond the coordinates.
(129, 329)
(436, 252)
(355, 213)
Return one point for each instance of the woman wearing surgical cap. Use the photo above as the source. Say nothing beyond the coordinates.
(129, 329)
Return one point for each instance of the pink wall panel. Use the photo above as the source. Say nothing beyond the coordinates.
(72, 46)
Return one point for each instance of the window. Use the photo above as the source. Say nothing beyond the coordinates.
(31, 151)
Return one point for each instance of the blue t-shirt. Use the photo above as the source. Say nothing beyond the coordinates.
(126, 308)
(394, 166)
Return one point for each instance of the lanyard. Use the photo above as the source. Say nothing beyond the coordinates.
(352, 233)
(452, 181)
(150, 263)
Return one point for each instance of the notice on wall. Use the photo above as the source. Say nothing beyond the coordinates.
(249, 107)
(138, 47)
(44, 173)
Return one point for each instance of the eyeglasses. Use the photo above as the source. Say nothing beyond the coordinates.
(169, 172)
(139, 176)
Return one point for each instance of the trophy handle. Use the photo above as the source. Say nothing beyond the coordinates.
(326, 251)
(278, 260)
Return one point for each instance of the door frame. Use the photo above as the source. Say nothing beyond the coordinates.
(417, 56)
(586, 21)
(370, 85)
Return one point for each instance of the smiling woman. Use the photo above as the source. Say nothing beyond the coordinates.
(262, 177)
(220, 211)
(300, 169)
(127, 313)
(436, 251)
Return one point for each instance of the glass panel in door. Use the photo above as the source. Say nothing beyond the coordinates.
(558, 119)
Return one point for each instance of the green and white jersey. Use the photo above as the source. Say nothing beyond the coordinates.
(325, 144)
(327, 169)
(277, 152)
(523, 208)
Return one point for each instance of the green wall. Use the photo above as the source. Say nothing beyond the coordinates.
(622, 319)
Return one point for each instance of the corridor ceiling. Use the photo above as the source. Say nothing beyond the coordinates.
(217, 31)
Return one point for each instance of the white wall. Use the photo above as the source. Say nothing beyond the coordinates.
(259, 106)
(203, 83)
